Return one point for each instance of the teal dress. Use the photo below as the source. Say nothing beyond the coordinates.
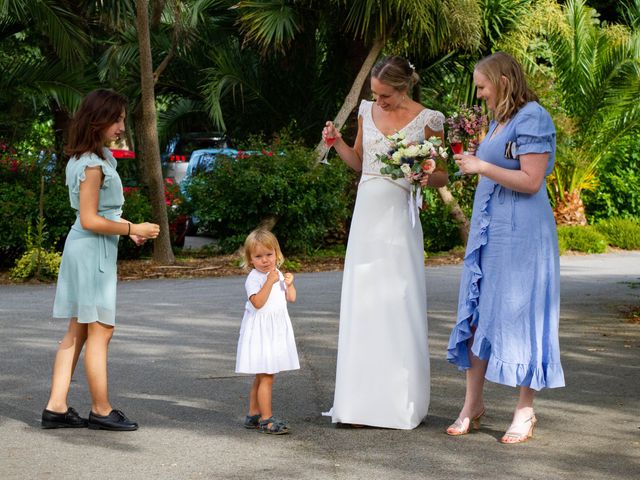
(87, 279)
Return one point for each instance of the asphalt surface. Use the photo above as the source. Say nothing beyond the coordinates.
(171, 369)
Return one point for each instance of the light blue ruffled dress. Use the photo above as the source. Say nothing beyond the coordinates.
(510, 285)
(87, 278)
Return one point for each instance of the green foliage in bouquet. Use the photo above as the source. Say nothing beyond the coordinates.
(581, 239)
(306, 200)
(621, 232)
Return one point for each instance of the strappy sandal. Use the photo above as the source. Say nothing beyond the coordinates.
(457, 427)
(273, 426)
(512, 436)
(252, 421)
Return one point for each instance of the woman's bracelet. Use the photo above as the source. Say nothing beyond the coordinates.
(129, 231)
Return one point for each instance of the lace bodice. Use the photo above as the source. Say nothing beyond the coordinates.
(375, 143)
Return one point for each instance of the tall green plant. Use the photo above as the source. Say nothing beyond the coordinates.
(590, 80)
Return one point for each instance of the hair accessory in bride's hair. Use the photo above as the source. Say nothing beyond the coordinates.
(411, 66)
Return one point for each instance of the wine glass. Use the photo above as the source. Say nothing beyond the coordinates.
(457, 148)
(329, 141)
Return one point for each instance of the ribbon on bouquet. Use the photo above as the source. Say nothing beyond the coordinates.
(415, 202)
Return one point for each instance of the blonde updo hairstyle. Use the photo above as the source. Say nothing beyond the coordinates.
(262, 237)
(508, 78)
(398, 73)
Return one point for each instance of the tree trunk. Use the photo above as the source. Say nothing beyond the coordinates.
(351, 101)
(456, 212)
(570, 211)
(162, 252)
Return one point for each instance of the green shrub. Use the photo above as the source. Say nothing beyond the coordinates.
(621, 232)
(441, 232)
(37, 262)
(307, 200)
(618, 190)
(19, 196)
(581, 239)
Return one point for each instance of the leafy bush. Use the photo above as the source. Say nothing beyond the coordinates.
(37, 262)
(621, 232)
(439, 228)
(306, 199)
(20, 177)
(618, 191)
(581, 239)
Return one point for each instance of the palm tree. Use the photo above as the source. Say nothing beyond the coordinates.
(162, 246)
(591, 79)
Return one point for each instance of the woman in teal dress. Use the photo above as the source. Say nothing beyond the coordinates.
(86, 289)
(508, 308)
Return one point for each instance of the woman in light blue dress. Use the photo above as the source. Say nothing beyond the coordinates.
(508, 308)
(86, 289)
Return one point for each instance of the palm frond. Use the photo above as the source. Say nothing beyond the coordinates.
(269, 23)
(62, 28)
(234, 75)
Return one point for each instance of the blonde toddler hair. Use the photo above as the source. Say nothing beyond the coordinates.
(266, 239)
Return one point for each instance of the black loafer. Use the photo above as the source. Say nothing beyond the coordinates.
(116, 420)
(68, 419)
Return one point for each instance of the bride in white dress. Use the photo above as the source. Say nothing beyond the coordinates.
(382, 376)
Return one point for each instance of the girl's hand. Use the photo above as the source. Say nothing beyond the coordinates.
(469, 164)
(330, 131)
(288, 279)
(273, 276)
(146, 230)
(137, 239)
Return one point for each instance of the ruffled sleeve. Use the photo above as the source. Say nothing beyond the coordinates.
(365, 107)
(534, 129)
(78, 174)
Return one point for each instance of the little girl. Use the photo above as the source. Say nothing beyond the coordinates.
(266, 345)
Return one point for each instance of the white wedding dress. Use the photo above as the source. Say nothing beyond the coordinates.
(382, 376)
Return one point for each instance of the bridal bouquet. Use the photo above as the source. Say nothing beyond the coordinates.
(465, 128)
(412, 161)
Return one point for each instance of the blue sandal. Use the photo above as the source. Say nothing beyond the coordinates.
(252, 421)
(273, 426)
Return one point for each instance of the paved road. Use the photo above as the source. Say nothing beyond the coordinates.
(171, 367)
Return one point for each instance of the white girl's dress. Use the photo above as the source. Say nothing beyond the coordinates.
(382, 375)
(266, 343)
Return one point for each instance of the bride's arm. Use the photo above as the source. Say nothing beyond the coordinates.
(440, 177)
(352, 156)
